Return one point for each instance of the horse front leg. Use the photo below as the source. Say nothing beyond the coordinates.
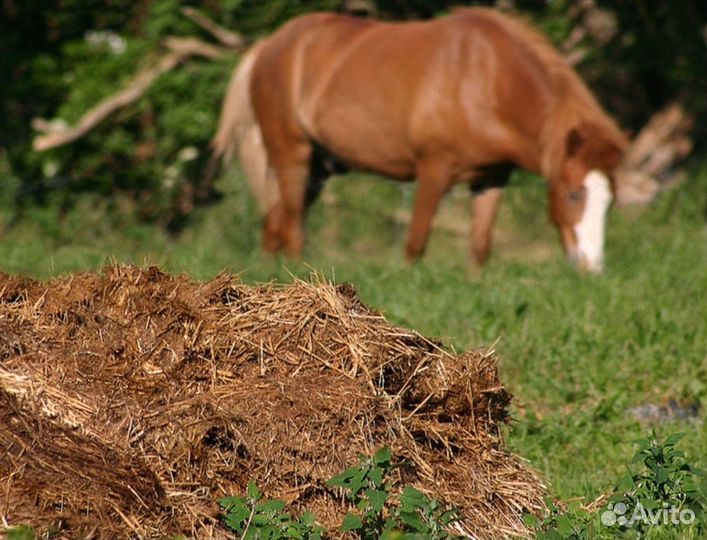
(434, 181)
(485, 204)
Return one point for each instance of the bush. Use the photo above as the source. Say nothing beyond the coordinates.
(665, 498)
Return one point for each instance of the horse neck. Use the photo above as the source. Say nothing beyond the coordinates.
(576, 111)
(572, 104)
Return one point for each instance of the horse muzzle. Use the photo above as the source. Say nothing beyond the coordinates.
(586, 263)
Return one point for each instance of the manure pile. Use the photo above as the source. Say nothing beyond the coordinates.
(131, 401)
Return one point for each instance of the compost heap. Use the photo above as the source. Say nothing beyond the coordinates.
(131, 401)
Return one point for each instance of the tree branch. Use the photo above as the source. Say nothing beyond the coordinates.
(225, 36)
(54, 134)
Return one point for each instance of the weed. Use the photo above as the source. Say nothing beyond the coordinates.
(665, 498)
(252, 518)
(20, 532)
(379, 513)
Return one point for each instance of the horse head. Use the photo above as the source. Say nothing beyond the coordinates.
(582, 192)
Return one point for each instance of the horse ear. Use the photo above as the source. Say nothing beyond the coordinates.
(574, 142)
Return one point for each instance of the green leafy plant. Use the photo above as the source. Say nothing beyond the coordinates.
(368, 490)
(666, 475)
(253, 518)
(561, 524)
(665, 481)
(423, 517)
(411, 514)
(645, 503)
(20, 532)
(379, 514)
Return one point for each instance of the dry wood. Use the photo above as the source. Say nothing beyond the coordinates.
(662, 141)
(650, 164)
(180, 49)
(227, 37)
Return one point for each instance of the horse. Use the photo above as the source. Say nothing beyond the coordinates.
(465, 98)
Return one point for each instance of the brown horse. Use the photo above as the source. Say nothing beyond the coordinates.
(464, 98)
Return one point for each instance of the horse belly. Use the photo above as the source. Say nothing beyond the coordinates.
(365, 143)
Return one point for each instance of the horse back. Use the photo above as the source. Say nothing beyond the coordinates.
(288, 66)
(380, 95)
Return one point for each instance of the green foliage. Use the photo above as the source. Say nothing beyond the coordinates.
(665, 480)
(379, 515)
(421, 517)
(661, 49)
(251, 518)
(366, 487)
(665, 486)
(20, 532)
(159, 147)
(410, 514)
(258, 17)
(560, 524)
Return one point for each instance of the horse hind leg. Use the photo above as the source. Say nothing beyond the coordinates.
(484, 210)
(283, 223)
(433, 181)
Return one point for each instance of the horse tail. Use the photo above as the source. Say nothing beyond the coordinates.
(239, 133)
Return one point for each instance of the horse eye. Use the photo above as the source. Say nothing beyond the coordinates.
(574, 196)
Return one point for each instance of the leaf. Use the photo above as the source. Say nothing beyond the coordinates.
(20, 532)
(564, 526)
(412, 498)
(661, 477)
(252, 491)
(376, 476)
(260, 520)
(317, 533)
(358, 481)
(673, 439)
(649, 504)
(294, 532)
(552, 534)
(383, 456)
(377, 498)
(272, 506)
(413, 494)
(448, 517)
(343, 479)
(626, 483)
(236, 521)
(229, 502)
(308, 518)
(530, 520)
(412, 520)
(351, 523)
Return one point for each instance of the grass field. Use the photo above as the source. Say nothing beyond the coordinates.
(576, 351)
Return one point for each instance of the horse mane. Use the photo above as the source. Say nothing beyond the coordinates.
(574, 107)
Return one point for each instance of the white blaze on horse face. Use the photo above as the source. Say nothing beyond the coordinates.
(590, 229)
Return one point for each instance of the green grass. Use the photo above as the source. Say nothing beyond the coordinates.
(576, 351)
